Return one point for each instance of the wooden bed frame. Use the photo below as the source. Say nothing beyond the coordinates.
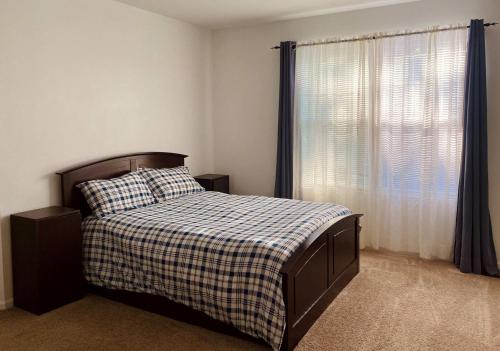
(314, 275)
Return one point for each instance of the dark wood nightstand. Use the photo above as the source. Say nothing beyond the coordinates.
(214, 182)
(46, 258)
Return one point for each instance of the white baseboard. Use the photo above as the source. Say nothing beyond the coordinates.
(5, 305)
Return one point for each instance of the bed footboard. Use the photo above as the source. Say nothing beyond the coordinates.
(317, 273)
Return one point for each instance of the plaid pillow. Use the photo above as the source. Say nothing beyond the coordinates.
(116, 195)
(170, 183)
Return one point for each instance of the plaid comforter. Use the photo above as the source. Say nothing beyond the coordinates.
(217, 253)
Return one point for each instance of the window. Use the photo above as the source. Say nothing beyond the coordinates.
(378, 126)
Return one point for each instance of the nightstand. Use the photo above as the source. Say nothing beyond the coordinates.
(214, 182)
(46, 258)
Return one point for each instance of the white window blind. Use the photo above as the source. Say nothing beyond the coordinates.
(378, 127)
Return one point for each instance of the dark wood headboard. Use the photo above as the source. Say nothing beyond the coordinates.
(110, 168)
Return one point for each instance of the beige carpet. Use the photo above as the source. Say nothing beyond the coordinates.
(395, 303)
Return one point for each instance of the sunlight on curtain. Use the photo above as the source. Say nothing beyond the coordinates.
(379, 129)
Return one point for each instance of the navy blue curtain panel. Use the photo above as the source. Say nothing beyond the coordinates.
(284, 163)
(474, 248)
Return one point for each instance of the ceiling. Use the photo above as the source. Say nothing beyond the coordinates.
(229, 13)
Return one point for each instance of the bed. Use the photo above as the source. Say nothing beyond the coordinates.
(322, 255)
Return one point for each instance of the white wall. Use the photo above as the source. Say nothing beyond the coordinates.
(86, 79)
(246, 80)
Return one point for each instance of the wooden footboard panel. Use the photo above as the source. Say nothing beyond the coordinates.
(317, 273)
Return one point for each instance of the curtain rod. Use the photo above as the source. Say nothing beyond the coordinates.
(383, 36)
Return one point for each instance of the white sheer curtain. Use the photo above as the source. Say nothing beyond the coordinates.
(378, 127)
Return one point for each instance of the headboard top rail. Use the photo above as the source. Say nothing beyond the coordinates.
(110, 168)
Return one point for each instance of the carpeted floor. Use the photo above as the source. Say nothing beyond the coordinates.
(395, 303)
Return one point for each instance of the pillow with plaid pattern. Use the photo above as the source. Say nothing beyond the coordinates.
(170, 183)
(115, 195)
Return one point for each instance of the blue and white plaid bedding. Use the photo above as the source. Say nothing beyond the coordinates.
(217, 253)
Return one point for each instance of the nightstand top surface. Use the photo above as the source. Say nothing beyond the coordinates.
(211, 176)
(47, 212)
